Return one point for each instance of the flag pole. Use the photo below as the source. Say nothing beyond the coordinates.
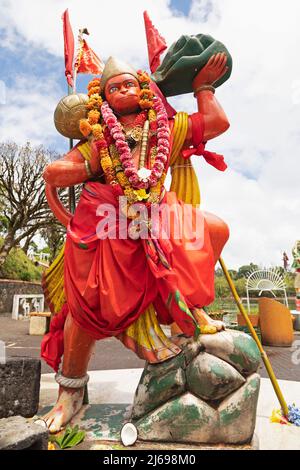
(71, 90)
(72, 201)
(69, 70)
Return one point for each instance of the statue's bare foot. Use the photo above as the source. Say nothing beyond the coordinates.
(68, 404)
(218, 324)
(204, 320)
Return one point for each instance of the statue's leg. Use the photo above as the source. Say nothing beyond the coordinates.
(78, 348)
(219, 234)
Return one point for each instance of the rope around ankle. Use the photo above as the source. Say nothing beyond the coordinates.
(69, 382)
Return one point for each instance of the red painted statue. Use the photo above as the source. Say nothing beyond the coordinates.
(122, 286)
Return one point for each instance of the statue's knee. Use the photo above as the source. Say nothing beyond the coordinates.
(224, 231)
(218, 230)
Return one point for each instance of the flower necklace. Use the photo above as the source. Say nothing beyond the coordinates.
(114, 151)
(163, 146)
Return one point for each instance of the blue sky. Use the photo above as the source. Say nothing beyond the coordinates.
(182, 6)
(31, 60)
(258, 195)
(34, 61)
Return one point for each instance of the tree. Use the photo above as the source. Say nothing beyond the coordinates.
(55, 233)
(246, 269)
(54, 236)
(29, 243)
(24, 208)
(219, 272)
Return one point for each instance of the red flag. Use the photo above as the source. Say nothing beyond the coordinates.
(156, 43)
(69, 47)
(87, 61)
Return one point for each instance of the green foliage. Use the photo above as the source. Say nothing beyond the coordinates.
(244, 270)
(222, 288)
(289, 279)
(218, 272)
(18, 266)
(3, 223)
(223, 297)
(70, 438)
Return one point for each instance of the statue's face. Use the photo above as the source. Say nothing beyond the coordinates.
(122, 93)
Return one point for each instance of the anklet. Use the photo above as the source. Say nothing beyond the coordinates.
(70, 382)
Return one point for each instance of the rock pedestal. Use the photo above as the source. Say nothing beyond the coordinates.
(207, 394)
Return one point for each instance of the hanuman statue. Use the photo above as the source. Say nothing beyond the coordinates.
(127, 286)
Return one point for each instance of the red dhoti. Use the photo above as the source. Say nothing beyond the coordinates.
(110, 282)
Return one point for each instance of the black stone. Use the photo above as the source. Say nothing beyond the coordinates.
(19, 387)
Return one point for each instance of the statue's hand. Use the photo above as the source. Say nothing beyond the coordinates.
(95, 158)
(212, 71)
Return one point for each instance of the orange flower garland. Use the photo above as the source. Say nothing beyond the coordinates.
(91, 124)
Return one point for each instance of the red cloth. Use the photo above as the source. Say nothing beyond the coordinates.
(170, 110)
(198, 148)
(87, 60)
(52, 346)
(109, 283)
(155, 42)
(68, 47)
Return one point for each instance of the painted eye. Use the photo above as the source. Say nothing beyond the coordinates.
(130, 84)
(113, 89)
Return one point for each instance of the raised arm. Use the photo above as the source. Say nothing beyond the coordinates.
(69, 170)
(72, 169)
(215, 120)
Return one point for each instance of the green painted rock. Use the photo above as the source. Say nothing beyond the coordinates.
(234, 347)
(156, 390)
(190, 348)
(190, 419)
(207, 394)
(211, 378)
(238, 412)
(183, 419)
(156, 370)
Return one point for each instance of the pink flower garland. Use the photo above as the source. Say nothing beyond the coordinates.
(163, 145)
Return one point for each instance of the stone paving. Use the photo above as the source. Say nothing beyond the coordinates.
(111, 354)
(285, 361)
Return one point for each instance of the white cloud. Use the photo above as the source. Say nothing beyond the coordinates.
(27, 113)
(264, 139)
(258, 196)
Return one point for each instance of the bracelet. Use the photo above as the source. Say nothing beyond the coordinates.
(203, 88)
(88, 169)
